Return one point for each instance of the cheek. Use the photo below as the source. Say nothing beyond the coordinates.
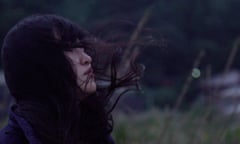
(79, 72)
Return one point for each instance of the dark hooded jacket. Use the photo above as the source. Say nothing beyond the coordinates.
(19, 131)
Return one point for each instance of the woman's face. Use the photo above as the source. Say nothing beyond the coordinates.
(81, 63)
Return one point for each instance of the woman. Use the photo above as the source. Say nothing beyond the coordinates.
(55, 72)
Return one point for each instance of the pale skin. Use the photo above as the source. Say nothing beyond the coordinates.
(81, 63)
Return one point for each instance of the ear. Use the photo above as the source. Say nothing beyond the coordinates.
(56, 34)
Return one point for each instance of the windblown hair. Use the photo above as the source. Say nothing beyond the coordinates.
(43, 83)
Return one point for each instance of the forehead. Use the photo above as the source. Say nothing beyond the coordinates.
(75, 51)
(78, 50)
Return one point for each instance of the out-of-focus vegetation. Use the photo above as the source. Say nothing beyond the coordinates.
(185, 29)
(195, 127)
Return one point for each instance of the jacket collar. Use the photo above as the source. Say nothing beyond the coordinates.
(19, 122)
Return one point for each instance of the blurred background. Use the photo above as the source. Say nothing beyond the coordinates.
(191, 86)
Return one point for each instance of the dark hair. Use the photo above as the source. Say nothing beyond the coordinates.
(42, 81)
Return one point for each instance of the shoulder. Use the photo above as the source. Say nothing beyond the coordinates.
(110, 140)
(9, 135)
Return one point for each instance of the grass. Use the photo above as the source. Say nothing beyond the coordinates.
(185, 128)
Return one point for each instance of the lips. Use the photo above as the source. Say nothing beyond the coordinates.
(89, 71)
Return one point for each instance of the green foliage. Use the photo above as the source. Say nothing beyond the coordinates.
(162, 97)
(185, 128)
(121, 134)
(233, 136)
(75, 9)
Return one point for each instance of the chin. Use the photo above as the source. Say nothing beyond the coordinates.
(90, 88)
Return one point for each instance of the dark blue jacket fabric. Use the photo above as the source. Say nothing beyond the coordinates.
(19, 131)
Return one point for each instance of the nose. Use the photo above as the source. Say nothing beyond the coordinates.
(86, 59)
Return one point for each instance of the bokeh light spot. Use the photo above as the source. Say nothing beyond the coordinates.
(196, 73)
